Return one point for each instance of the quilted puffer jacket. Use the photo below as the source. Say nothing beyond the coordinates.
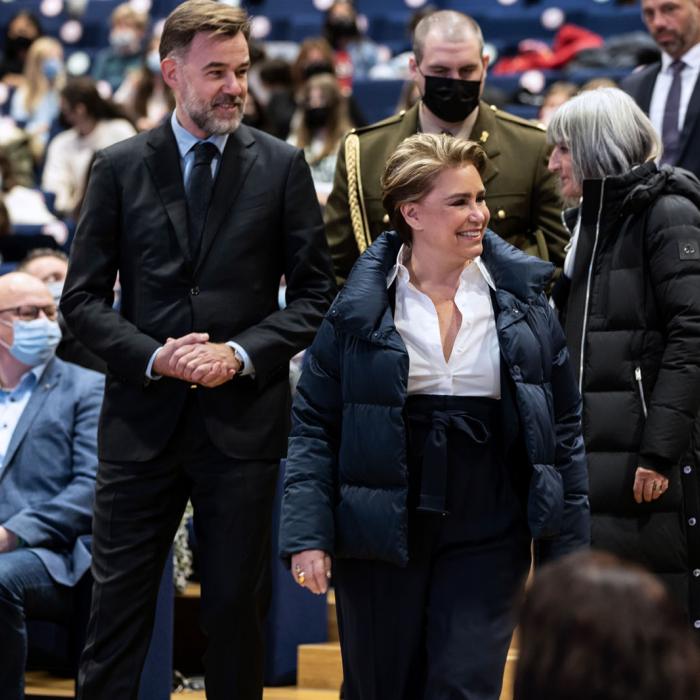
(346, 482)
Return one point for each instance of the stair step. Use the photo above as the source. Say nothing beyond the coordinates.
(319, 666)
(332, 617)
(42, 685)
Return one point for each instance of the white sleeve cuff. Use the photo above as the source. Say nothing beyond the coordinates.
(243, 356)
(149, 367)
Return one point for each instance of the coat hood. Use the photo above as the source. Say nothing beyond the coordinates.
(638, 189)
(648, 182)
(362, 306)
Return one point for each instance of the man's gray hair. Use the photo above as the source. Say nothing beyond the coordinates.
(450, 26)
(605, 132)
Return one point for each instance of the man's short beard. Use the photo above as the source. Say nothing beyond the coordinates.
(206, 120)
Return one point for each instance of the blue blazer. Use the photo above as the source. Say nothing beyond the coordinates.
(47, 483)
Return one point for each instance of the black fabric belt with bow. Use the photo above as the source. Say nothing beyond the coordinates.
(433, 488)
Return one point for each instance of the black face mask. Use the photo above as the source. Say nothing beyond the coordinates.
(14, 46)
(317, 68)
(450, 99)
(342, 28)
(316, 117)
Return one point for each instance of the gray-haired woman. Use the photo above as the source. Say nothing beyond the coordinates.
(436, 432)
(630, 299)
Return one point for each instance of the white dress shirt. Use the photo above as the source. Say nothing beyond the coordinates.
(473, 368)
(689, 76)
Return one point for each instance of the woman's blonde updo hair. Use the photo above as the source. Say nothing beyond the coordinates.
(414, 166)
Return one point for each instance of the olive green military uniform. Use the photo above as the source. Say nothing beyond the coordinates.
(521, 193)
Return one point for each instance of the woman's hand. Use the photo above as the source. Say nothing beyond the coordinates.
(648, 485)
(312, 569)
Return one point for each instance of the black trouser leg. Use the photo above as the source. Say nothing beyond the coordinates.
(381, 619)
(233, 516)
(470, 617)
(137, 510)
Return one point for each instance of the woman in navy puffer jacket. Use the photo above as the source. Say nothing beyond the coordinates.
(436, 431)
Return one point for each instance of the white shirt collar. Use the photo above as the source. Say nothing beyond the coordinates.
(186, 140)
(691, 58)
(400, 271)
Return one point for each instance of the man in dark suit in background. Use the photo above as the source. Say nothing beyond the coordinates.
(668, 91)
(197, 397)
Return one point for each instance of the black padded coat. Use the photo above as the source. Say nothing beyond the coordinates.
(635, 344)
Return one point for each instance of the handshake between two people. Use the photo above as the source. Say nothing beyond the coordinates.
(192, 358)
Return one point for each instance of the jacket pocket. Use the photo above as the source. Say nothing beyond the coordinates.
(640, 388)
(545, 502)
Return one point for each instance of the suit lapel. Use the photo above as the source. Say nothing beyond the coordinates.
(692, 117)
(646, 88)
(164, 163)
(45, 384)
(238, 157)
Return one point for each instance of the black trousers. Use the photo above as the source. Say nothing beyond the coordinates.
(440, 628)
(138, 508)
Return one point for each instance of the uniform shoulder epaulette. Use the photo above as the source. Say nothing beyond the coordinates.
(393, 119)
(506, 116)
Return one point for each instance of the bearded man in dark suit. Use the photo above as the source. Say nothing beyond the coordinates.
(669, 90)
(200, 217)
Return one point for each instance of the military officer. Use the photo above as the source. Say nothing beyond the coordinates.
(449, 68)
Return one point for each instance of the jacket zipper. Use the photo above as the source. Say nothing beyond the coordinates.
(588, 288)
(640, 386)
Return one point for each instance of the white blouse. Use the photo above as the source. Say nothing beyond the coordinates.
(474, 365)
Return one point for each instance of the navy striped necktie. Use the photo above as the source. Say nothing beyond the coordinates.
(670, 133)
(199, 189)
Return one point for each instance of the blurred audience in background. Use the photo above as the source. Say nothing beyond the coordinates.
(355, 53)
(273, 102)
(35, 102)
(15, 247)
(555, 96)
(25, 205)
(125, 52)
(21, 31)
(95, 123)
(143, 94)
(321, 124)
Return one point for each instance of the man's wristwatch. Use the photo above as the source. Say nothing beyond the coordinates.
(237, 355)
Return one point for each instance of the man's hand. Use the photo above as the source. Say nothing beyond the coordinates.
(208, 364)
(8, 540)
(162, 363)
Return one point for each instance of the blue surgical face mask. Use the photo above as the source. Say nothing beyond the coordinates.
(153, 61)
(123, 40)
(56, 289)
(52, 68)
(34, 341)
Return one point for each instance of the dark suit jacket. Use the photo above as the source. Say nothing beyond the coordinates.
(640, 86)
(263, 222)
(47, 482)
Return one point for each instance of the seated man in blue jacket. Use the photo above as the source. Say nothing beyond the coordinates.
(48, 463)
